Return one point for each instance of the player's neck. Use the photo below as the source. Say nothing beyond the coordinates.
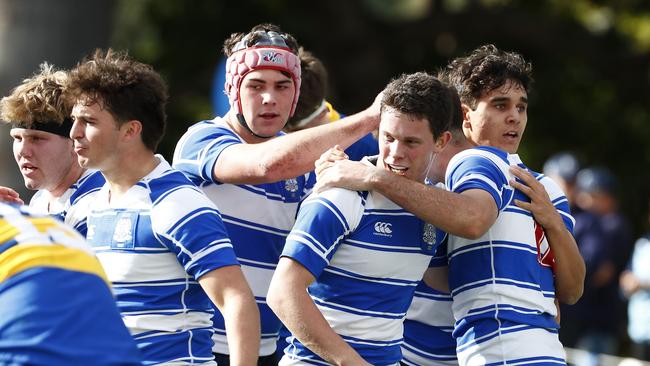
(129, 170)
(241, 131)
(74, 173)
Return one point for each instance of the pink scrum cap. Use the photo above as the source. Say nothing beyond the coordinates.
(269, 52)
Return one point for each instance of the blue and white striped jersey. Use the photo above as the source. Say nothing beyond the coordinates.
(155, 242)
(73, 205)
(56, 305)
(258, 217)
(367, 255)
(502, 283)
(429, 324)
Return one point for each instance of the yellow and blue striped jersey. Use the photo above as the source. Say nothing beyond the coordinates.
(56, 306)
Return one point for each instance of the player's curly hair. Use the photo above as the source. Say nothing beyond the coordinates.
(234, 38)
(39, 99)
(485, 69)
(423, 96)
(126, 88)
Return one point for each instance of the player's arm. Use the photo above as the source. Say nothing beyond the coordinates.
(229, 291)
(569, 265)
(291, 155)
(8, 195)
(468, 214)
(289, 299)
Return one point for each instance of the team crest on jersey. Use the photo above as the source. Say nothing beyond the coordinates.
(429, 235)
(383, 229)
(291, 185)
(123, 230)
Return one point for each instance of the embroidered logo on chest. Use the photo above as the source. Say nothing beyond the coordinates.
(123, 230)
(383, 229)
(291, 185)
(429, 235)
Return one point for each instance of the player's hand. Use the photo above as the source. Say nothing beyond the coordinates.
(540, 204)
(328, 158)
(8, 195)
(346, 174)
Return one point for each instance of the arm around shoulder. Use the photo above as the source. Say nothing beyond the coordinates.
(468, 214)
(293, 154)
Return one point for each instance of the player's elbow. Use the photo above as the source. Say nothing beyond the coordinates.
(570, 296)
(476, 226)
(274, 298)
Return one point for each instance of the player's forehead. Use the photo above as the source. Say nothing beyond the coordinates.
(266, 76)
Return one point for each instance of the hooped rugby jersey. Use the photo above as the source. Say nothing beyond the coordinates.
(155, 242)
(56, 306)
(502, 283)
(367, 256)
(258, 217)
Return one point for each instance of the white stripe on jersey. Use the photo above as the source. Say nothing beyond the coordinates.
(379, 263)
(140, 267)
(523, 347)
(164, 323)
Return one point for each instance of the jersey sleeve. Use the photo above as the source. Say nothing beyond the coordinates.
(198, 150)
(323, 221)
(481, 169)
(190, 226)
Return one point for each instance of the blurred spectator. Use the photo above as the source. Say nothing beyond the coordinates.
(313, 110)
(601, 307)
(635, 285)
(563, 168)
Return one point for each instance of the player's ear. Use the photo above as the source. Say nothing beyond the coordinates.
(442, 141)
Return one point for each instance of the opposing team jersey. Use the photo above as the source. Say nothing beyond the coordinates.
(73, 205)
(258, 217)
(155, 242)
(56, 307)
(502, 283)
(367, 256)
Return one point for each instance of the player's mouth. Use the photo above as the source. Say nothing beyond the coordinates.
(27, 168)
(397, 169)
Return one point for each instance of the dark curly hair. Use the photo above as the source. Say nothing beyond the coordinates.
(485, 69)
(234, 38)
(423, 96)
(126, 88)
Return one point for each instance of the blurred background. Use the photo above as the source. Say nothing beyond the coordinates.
(591, 61)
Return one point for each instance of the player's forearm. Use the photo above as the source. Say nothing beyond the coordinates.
(294, 154)
(569, 265)
(242, 321)
(457, 214)
(301, 316)
(230, 293)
